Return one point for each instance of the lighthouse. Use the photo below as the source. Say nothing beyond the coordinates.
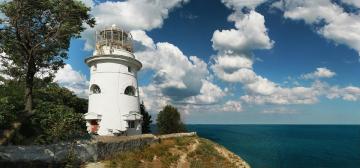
(114, 107)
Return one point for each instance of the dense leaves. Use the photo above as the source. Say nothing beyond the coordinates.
(55, 123)
(11, 103)
(57, 113)
(145, 125)
(36, 34)
(169, 121)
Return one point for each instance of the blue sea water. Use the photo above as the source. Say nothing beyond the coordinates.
(289, 146)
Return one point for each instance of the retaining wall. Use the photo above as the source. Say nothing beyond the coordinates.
(57, 155)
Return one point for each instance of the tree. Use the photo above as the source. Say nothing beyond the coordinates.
(169, 121)
(145, 125)
(58, 113)
(36, 36)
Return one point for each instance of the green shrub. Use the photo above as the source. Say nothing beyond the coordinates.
(56, 123)
(58, 114)
(169, 121)
(11, 103)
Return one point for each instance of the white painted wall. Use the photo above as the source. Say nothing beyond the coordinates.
(110, 73)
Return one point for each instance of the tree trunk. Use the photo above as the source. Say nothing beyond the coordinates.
(28, 97)
(29, 83)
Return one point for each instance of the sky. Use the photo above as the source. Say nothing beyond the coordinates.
(236, 61)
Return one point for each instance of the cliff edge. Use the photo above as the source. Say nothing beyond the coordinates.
(178, 152)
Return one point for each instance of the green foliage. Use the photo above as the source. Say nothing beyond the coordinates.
(57, 113)
(60, 96)
(145, 126)
(11, 103)
(169, 121)
(41, 30)
(36, 34)
(55, 123)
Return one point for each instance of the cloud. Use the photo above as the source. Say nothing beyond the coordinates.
(234, 61)
(329, 19)
(73, 80)
(355, 3)
(304, 95)
(178, 75)
(144, 40)
(209, 94)
(210, 99)
(3, 64)
(293, 95)
(134, 14)
(319, 73)
(224, 107)
(250, 34)
(349, 93)
(177, 78)
(279, 110)
(239, 4)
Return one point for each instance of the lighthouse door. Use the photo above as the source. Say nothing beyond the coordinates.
(94, 126)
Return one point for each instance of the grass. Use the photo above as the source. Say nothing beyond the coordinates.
(155, 155)
(167, 154)
(207, 156)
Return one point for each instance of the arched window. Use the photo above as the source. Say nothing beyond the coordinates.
(130, 90)
(95, 89)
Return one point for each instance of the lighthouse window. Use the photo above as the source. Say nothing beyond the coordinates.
(129, 69)
(95, 89)
(131, 124)
(130, 91)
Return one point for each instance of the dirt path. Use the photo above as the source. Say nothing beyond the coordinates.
(182, 162)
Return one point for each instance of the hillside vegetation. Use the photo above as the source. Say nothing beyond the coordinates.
(183, 152)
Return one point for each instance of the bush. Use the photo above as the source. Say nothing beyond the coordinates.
(55, 123)
(169, 121)
(58, 114)
(11, 104)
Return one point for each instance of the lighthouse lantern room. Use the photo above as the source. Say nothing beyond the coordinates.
(114, 94)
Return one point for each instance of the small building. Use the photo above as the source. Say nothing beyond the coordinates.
(114, 106)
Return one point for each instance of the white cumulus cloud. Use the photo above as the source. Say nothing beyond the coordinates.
(321, 72)
(129, 15)
(250, 33)
(239, 4)
(330, 19)
(73, 80)
(177, 78)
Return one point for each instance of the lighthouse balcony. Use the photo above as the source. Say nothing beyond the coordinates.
(108, 50)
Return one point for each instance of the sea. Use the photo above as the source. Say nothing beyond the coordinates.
(288, 146)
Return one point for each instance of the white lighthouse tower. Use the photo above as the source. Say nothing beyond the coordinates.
(114, 94)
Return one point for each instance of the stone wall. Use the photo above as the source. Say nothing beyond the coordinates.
(57, 155)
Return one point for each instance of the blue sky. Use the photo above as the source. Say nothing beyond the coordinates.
(270, 62)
